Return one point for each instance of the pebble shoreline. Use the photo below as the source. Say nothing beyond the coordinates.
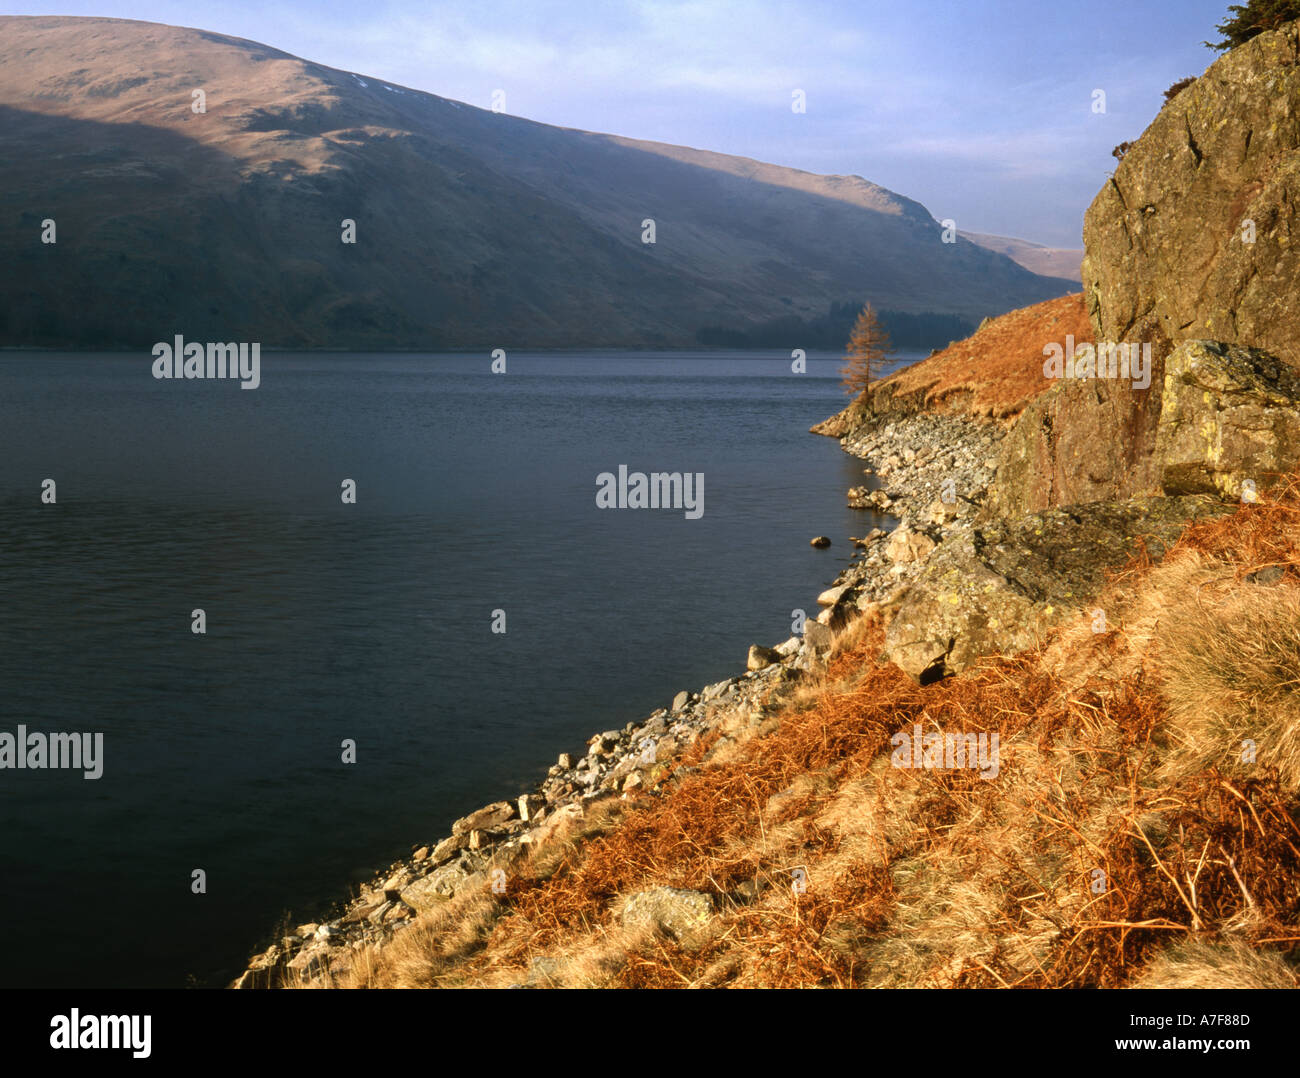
(933, 474)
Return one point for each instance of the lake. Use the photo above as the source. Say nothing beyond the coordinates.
(373, 621)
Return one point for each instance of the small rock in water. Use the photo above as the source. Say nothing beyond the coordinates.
(821, 542)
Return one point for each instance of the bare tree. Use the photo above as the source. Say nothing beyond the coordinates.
(866, 352)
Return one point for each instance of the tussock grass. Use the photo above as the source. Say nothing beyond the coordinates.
(1230, 665)
(1216, 965)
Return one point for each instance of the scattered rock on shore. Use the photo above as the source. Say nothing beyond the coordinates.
(760, 657)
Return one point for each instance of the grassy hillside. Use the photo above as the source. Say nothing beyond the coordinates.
(474, 229)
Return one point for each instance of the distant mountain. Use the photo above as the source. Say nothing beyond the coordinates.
(473, 229)
(1063, 262)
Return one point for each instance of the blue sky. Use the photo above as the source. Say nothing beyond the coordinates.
(980, 109)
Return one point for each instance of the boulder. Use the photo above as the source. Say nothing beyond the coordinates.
(681, 700)
(941, 512)
(529, 806)
(682, 915)
(251, 979)
(996, 589)
(436, 887)
(760, 657)
(398, 911)
(311, 961)
(1084, 440)
(1228, 414)
(906, 546)
(269, 958)
(1193, 239)
(487, 817)
(448, 848)
(479, 840)
(817, 637)
(718, 688)
(365, 906)
(788, 648)
(831, 596)
(560, 819)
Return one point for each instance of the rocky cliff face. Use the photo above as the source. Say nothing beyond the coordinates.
(1191, 248)
(1081, 441)
(1216, 419)
(1195, 235)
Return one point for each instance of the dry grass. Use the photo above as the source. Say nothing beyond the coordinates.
(997, 370)
(1230, 665)
(1217, 965)
(1121, 843)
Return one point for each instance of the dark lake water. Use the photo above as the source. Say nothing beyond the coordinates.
(373, 621)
